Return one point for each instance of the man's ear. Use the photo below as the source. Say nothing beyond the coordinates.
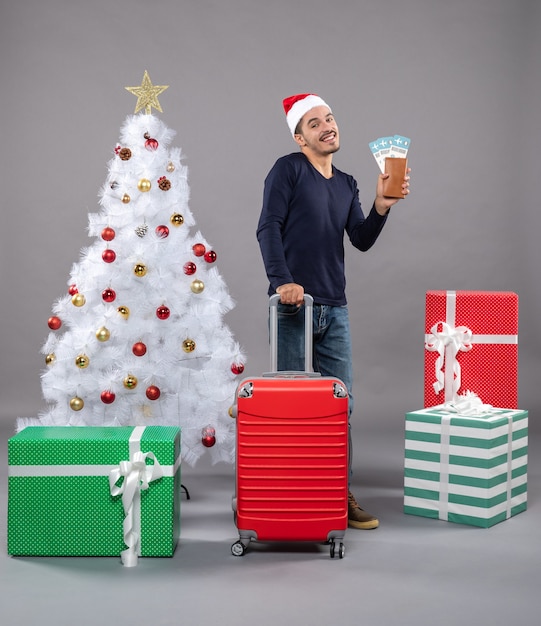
(299, 139)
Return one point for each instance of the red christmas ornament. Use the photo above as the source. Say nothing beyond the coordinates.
(54, 322)
(153, 392)
(237, 368)
(108, 234)
(108, 255)
(108, 295)
(107, 397)
(150, 143)
(210, 256)
(190, 268)
(163, 312)
(139, 349)
(199, 249)
(162, 231)
(73, 290)
(208, 436)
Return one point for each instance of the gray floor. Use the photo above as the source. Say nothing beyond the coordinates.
(410, 571)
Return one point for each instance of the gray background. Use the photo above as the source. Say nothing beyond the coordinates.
(461, 78)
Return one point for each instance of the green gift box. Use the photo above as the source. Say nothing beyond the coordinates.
(94, 491)
(466, 469)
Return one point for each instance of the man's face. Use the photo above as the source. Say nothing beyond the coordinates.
(319, 131)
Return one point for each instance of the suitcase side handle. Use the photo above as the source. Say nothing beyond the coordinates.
(308, 333)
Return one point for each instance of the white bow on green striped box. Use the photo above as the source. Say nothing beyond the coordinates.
(469, 470)
(94, 491)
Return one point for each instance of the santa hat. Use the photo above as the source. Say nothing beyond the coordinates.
(296, 106)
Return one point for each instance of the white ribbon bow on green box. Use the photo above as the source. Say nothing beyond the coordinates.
(136, 476)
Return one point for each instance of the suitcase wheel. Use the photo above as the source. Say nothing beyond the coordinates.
(238, 548)
(341, 550)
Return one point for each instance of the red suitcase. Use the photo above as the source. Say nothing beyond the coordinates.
(291, 453)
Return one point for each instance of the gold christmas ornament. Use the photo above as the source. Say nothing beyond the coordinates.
(147, 95)
(140, 269)
(50, 358)
(230, 412)
(197, 286)
(103, 334)
(144, 185)
(82, 361)
(76, 404)
(130, 382)
(188, 345)
(170, 167)
(125, 198)
(78, 300)
(124, 311)
(177, 219)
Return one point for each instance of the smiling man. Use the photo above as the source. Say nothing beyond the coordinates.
(308, 205)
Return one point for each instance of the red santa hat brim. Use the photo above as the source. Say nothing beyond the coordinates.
(296, 106)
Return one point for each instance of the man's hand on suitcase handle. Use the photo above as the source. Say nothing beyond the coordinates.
(291, 293)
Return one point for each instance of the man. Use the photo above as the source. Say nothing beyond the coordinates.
(308, 205)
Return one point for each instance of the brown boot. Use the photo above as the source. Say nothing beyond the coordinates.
(357, 517)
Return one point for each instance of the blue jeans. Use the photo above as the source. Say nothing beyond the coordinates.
(331, 350)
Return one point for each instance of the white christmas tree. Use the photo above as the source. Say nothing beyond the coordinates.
(140, 339)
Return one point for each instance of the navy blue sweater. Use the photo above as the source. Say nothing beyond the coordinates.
(302, 224)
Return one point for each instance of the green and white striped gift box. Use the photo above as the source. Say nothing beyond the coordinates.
(468, 470)
(94, 491)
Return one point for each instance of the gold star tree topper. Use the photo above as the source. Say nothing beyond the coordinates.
(147, 95)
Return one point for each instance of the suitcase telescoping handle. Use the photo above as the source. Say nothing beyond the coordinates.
(308, 332)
